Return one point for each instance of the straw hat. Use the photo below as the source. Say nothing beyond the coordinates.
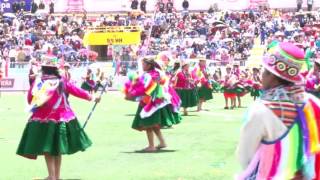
(67, 65)
(228, 66)
(236, 63)
(151, 60)
(202, 58)
(184, 63)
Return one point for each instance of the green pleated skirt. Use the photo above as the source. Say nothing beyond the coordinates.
(205, 93)
(239, 90)
(256, 92)
(164, 117)
(216, 87)
(87, 86)
(189, 97)
(53, 139)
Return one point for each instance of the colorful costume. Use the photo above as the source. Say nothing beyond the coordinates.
(313, 85)
(200, 75)
(281, 135)
(158, 102)
(298, 129)
(229, 86)
(242, 85)
(256, 89)
(89, 83)
(53, 127)
(216, 83)
(186, 90)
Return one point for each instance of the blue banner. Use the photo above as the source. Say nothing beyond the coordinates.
(6, 5)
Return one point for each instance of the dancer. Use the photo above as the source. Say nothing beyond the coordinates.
(186, 88)
(229, 88)
(256, 90)
(89, 83)
(66, 73)
(201, 76)
(313, 80)
(158, 104)
(100, 79)
(53, 129)
(240, 87)
(280, 139)
(216, 81)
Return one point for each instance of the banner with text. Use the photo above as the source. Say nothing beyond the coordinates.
(6, 5)
(114, 38)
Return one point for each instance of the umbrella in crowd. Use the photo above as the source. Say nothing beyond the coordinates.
(279, 34)
(92, 55)
(29, 15)
(217, 23)
(41, 14)
(64, 48)
(248, 35)
(220, 26)
(9, 15)
(227, 40)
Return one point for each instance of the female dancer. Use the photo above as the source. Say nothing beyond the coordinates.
(158, 103)
(89, 83)
(229, 88)
(200, 74)
(186, 89)
(53, 129)
(257, 84)
(313, 81)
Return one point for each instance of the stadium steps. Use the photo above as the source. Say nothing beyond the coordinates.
(256, 54)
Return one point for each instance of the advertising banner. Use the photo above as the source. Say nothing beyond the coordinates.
(6, 5)
(14, 83)
(116, 38)
(6, 83)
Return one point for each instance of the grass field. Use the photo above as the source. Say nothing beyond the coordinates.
(202, 147)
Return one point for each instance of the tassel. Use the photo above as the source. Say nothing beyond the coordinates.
(273, 44)
(307, 57)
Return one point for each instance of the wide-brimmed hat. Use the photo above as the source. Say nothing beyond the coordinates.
(236, 63)
(151, 60)
(228, 66)
(284, 60)
(202, 58)
(49, 61)
(184, 63)
(49, 65)
(67, 65)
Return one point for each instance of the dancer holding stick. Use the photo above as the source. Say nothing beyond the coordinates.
(53, 129)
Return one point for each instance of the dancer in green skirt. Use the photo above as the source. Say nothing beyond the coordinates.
(186, 88)
(158, 103)
(89, 82)
(201, 76)
(53, 129)
(256, 90)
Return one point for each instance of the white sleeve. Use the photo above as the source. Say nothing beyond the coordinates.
(251, 134)
(261, 124)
